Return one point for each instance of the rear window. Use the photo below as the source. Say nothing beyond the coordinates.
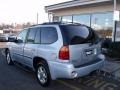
(76, 34)
(48, 35)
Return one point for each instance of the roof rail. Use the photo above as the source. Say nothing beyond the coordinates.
(58, 23)
(52, 23)
(47, 23)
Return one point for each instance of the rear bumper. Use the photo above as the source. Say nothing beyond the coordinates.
(67, 70)
(88, 69)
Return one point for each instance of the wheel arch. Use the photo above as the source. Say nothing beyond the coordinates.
(37, 60)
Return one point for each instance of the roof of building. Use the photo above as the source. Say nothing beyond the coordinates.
(72, 3)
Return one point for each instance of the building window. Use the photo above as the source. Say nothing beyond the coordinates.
(103, 23)
(67, 19)
(60, 18)
(55, 18)
(82, 19)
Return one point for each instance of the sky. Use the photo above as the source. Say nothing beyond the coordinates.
(22, 11)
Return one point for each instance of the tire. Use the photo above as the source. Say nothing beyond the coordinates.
(8, 58)
(43, 75)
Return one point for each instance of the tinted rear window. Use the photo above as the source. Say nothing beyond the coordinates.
(76, 34)
(48, 35)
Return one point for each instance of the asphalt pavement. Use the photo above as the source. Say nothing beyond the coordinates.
(16, 78)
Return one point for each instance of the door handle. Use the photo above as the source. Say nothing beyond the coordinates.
(29, 49)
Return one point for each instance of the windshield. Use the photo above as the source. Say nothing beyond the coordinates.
(77, 34)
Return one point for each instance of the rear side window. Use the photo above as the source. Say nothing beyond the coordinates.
(31, 35)
(75, 34)
(48, 35)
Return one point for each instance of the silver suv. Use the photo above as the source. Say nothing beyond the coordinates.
(56, 50)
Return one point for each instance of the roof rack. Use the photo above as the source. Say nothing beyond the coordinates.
(58, 23)
(62, 22)
(47, 23)
(52, 23)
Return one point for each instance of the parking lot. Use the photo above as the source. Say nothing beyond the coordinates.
(17, 78)
(2, 44)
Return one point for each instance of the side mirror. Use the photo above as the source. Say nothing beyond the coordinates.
(12, 39)
(15, 39)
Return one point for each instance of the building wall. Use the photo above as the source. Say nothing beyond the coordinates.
(85, 9)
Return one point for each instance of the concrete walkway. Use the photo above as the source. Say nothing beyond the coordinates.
(113, 68)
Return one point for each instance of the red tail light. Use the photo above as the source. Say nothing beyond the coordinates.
(64, 53)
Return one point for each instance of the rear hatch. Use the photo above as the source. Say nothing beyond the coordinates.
(83, 44)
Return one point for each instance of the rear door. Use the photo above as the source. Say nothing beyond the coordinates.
(80, 39)
(49, 43)
(31, 45)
